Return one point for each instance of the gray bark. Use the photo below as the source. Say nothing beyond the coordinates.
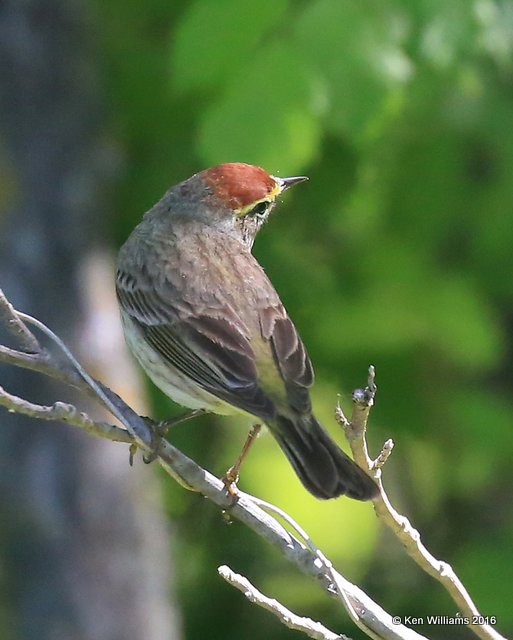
(84, 548)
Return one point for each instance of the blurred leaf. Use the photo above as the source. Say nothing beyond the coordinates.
(449, 32)
(356, 49)
(265, 117)
(484, 419)
(462, 325)
(487, 565)
(216, 37)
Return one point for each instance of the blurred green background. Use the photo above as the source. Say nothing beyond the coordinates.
(397, 252)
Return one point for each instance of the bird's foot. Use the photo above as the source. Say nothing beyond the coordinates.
(159, 431)
(155, 444)
(156, 436)
(231, 477)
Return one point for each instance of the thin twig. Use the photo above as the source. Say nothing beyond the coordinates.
(64, 412)
(384, 454)
(308, 626)
(43, 363)
(17, 328)
(355, 429)
(363, 615)
(137, 427)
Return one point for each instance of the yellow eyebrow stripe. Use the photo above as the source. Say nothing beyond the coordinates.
(270, 197)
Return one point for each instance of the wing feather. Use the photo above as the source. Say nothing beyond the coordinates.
(290, 356)
(213, 348)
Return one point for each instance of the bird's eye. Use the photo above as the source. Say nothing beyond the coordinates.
(259, 209)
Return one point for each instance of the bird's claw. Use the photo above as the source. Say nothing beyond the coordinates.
(132, 450)
(156, 441)
(157, 433)
(230, 479)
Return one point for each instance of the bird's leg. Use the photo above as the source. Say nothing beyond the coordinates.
(231, 477)
(159, 430)
(163, 426)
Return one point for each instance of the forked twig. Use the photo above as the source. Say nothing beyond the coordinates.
(355, 429)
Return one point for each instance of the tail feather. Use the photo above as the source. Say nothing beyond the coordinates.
(323, 468)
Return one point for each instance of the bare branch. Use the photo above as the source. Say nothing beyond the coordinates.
(355, 429)
(64, 412)
(41, 363)
(16, 327)
(361, 609)
(386, 450)
(308, 626)
(363, 400)
(375, 622)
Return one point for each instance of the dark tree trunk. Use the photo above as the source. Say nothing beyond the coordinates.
(84, 550)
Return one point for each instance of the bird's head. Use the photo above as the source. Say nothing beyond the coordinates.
(244, 194)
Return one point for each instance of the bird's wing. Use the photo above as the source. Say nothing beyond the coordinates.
(289, 354)
(210, 346)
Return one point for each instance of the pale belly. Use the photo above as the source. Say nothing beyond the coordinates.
(171, 381)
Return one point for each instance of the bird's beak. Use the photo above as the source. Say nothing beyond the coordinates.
(285, 183)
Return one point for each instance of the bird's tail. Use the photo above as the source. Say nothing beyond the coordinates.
(324, 469)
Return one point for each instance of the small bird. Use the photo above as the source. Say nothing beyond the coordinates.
(204, 321)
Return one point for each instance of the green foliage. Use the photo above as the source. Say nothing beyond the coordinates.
(264, 115)
(397, 252)
(243, 25)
